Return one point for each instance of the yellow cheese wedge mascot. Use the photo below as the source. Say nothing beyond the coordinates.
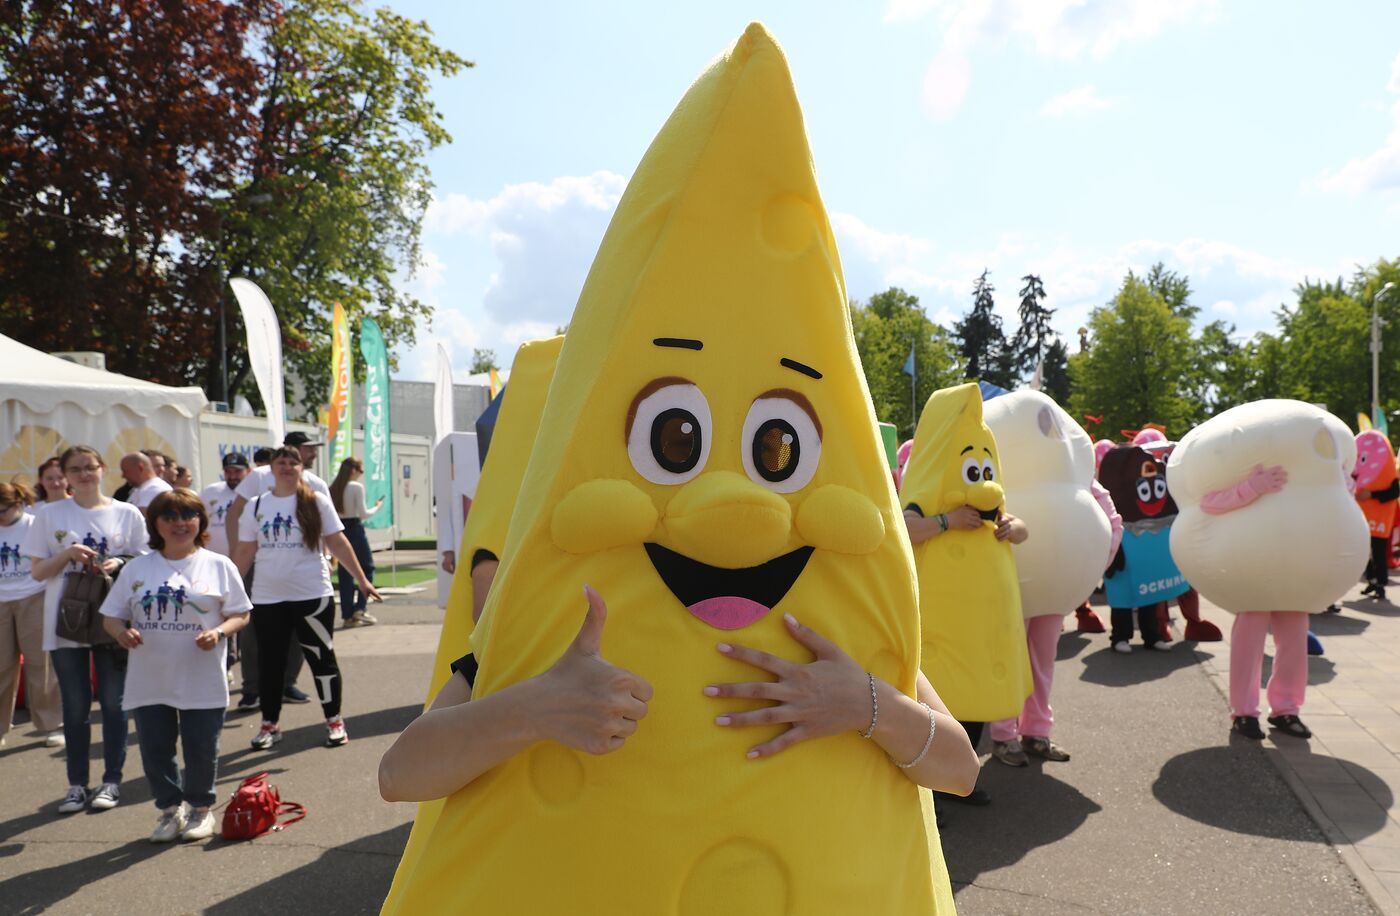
(484, 535)
(708, 460)
(974, 644)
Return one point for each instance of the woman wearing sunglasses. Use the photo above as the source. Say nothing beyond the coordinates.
(90, 530)
(175, 609)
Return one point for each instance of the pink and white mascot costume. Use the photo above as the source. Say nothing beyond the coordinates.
(1047, 465)
(1269, 532)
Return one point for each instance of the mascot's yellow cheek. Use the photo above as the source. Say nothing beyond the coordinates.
(839, 519)
(600, 515)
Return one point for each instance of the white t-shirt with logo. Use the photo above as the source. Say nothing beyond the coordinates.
(285, 569)
(115, 530)
(217, 498)
(170, 602)
(15, 580)
(142, 496)
(260, 480)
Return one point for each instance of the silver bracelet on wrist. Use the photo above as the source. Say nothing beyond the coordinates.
(927, 743)
(874, 708)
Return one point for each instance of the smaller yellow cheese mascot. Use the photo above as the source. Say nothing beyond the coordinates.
(484, 535)
(974, 644)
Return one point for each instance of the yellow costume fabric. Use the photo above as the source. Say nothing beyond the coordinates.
(708, 460)
(974, 643)
(487, 523)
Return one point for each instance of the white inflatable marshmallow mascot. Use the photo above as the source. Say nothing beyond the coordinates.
(1047, 470)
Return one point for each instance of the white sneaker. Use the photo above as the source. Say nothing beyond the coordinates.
(267, 736)
(1162, 646)
(171, 823)
(335, 732)
(365, 619)
(75, 800)
(106, 796)
(55, 739)
(1122, 648)
(199, 826)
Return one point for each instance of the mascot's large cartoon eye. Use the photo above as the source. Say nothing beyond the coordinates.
(988, 472)
(669, 440)
(972, 470)
(1144, 490)
(1160, 487)
(780, 445)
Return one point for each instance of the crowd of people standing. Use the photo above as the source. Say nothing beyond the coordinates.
(145, 599)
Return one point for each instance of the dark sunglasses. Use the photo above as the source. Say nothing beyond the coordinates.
(179, 515)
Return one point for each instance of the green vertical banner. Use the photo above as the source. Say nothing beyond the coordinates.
(379, 471)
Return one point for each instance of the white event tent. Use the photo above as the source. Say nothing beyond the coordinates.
(48, 404)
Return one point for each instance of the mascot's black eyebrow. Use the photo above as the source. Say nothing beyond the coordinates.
(969, 448)
(680, 343)
(798, 367)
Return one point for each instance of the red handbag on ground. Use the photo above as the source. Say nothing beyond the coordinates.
(255, 808)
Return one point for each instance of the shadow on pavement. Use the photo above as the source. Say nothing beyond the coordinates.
(1073, 643)
(1337, 625)
(353, 878)
(1321, 669)
(244, 759)
(36, 891)
(1242, 793)
(1111, 669)
(977, 840)
(1374, 608)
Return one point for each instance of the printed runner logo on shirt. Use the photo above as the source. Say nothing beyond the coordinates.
(10, 561)
(162, 601)
(90, 541)
(277, 531)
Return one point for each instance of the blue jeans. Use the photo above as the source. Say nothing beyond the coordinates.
(75, 686)
(351, 598)
(198, 730)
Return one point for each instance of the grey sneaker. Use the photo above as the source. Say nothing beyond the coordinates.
(106, 797)
(1044, 748)
(1009, 753)
(1122, 647)
(75, 800)
(267, 736)
(172, 821)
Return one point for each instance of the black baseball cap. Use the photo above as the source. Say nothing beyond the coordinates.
(236, 460)
(298, 438)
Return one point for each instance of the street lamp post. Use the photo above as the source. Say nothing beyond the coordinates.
(1376, 350)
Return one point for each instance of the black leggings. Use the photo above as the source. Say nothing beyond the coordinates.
(312, 622)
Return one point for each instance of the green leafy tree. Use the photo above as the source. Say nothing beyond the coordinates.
(1220, 373)
(981, 341)
(1131, 374)
(1174, 289)
(483, 361)
(885, 328)
(331, 203)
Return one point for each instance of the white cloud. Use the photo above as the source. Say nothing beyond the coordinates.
(1061, 29)
(1379, 171)
(1083, 100)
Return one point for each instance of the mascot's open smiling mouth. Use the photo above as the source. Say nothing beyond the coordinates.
(728, 599)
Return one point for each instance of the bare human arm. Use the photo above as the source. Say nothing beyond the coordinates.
(45, 568)
(243, 554)
(483, 574)
(581, 701)
(235, 512)
(963, 518)
(339, 547)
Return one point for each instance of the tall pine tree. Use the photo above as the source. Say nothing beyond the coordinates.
(1033, 337)
(981, 341)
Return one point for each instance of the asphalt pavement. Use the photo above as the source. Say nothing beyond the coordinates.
(1159, 811)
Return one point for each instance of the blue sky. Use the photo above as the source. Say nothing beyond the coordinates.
(1246, 144)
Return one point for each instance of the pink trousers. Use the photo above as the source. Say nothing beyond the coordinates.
(1288, 684)
(1042, 639)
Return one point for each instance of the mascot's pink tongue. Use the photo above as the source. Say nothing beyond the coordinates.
(729, 612)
